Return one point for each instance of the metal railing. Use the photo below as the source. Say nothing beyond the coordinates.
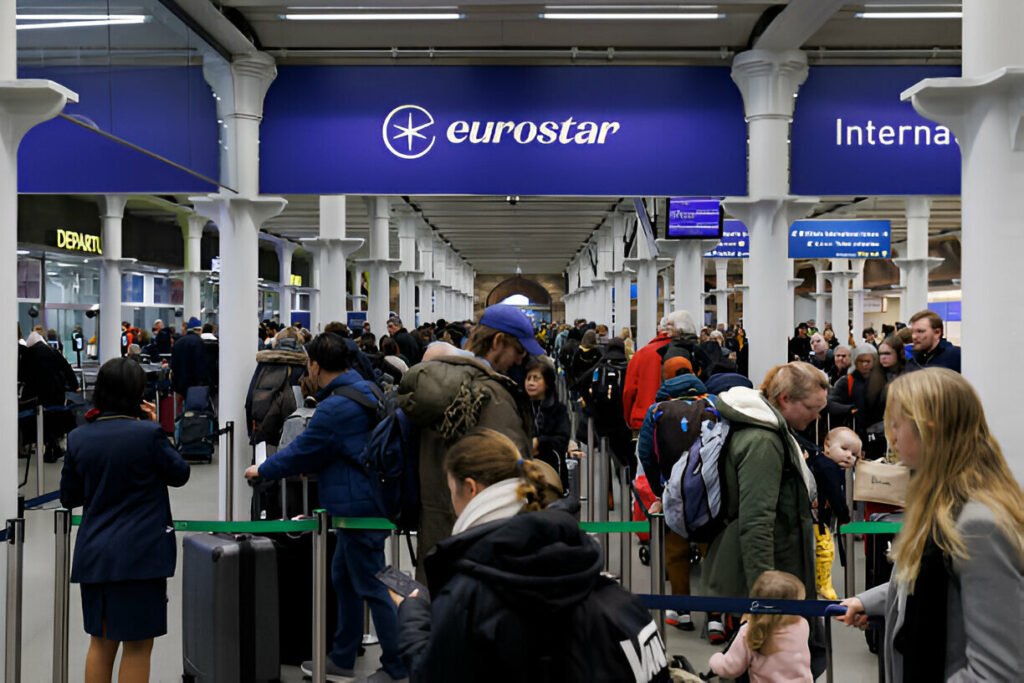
(15, 538)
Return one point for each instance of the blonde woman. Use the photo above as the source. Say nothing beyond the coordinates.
(627, 336)
(954, 609)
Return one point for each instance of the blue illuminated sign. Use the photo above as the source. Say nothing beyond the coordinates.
(735, 241)
(839, 239)
(852, 135)
(503, 130)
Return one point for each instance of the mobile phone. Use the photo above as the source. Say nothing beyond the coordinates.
(400, 583)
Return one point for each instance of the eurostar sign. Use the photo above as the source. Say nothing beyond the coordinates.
(565, 131)
(404, 132)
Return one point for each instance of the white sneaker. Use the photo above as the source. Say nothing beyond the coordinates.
(334, 672)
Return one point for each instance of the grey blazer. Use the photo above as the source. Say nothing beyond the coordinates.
(985, 611)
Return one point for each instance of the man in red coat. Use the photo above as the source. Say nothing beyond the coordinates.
(643, 375)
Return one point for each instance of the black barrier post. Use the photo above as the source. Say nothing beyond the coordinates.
(600, 465)
(15, 566)
(592, 493)
(61, 593)
(657, 521)
(849, 546)
(40, 449)
(320, 597)
(229, 458)
(626, 540)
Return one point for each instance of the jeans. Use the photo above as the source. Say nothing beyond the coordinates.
(357, 559)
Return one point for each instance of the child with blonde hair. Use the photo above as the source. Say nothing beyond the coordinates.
(769, 648)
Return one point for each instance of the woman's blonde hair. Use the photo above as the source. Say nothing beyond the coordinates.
(961, 461)
(487, 457)
(796, 380)
(773, 585)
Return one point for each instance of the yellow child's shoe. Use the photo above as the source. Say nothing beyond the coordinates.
(824, 554)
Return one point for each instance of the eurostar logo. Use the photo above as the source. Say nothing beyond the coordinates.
(403, 134)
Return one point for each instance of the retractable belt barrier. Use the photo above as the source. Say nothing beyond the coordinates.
(802, 608)
(319, 525)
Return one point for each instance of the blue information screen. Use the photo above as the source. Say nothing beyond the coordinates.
(694, 218)
(839, 239)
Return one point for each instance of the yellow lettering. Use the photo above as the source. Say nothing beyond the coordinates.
(78, 241)
(297, 280)
(61, 239)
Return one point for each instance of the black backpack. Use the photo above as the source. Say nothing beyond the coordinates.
(607, 380)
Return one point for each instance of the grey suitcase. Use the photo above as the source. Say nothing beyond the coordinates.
(230, 609)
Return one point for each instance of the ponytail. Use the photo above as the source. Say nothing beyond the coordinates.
(773, 585)
(488, 456)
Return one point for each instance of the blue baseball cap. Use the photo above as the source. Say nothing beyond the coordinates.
(194, 324)
(511, 320)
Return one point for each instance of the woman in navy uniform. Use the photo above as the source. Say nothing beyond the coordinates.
(118, 466)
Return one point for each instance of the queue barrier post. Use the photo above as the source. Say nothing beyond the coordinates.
(849, 545)
(323, 524)
(601, 491)
(229, 457)
(396, 549)
(626, 542)
(657, 521)
(61, 593)
(15, 566)
(40, 450)
(592, 494)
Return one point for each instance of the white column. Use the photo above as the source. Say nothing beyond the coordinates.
(441, 273)
(407, 273)
(336, 248)
(240, 87)
(768, 80)
(820, 296)
(622, 304)
(916, 265)
(285, 251)
(793, 284)
(646, 265)
(984, 109)
(379, 264)
(192, 232)
(688, 266)
(840, 277)
(315, 318)
(23, 104)
(857, 294)
(112, 215)
(427, 281)
(605, 268)
(722, 291)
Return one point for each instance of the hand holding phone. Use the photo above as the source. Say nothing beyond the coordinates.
(399, 583)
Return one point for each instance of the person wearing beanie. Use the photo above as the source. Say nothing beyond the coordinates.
(189, 363)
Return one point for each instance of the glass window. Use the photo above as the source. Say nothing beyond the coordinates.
(177, 288)
(132, 288)
(30, 276)
(161, 290)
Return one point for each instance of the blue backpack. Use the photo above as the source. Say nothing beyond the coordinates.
(390, 457)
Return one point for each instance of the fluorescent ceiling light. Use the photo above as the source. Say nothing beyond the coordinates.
(909, 15)
(24, 252)
(631, 8)
(626, 16)
(78, 20)
(375, 16)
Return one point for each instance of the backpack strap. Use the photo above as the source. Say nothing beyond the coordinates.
(849, 386)
(353, 394)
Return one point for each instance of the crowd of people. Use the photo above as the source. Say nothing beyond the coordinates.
(511, 589)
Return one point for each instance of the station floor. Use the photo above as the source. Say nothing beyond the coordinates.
(198, 500)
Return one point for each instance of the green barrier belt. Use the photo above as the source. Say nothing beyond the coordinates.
(270, 527)
(362, 523)
(615, 527)
(871, 528)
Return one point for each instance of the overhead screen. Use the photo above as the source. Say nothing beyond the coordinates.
(693, 218)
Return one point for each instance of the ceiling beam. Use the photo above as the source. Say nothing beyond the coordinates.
(796, 24)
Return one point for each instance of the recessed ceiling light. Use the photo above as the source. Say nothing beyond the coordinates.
(909, 15)
(78, 20)
(376, 16)
(628, 16)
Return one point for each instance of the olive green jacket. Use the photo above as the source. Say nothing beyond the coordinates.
(768, 491)
(446, 398)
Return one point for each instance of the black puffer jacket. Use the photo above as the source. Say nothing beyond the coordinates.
(523, 599)
(552, 429)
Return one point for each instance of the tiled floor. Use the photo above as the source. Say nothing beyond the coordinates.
(197, 500)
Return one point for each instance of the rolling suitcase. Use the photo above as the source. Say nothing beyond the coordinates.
(230, 609)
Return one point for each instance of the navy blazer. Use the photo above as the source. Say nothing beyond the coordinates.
(119, 469)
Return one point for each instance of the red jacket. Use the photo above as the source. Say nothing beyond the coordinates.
(643, 377)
